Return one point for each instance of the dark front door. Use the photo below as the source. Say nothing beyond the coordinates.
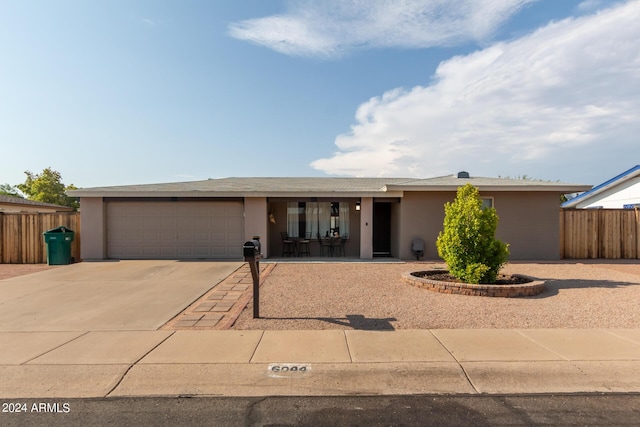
(381, 229)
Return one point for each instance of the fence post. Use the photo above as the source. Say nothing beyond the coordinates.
(637, 232)
(2, 237)
(561, 223)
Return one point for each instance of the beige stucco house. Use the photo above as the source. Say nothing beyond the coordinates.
(11, 204)
(379, 216)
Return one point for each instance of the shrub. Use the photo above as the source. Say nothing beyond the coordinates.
(467, 243)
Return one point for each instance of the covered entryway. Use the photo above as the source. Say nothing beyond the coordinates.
(175, 229)
(381, 229)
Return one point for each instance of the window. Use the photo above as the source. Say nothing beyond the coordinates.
(487, 202)
(317, 218)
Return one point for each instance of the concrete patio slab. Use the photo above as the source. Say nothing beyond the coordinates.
(329, 346)
(63, 381)
(205, 347)
(584, 344)
(553, 377)
(491, 345)
(329, 379)
(104, 348)
(91, 296)
(396, 346)
(20, 347)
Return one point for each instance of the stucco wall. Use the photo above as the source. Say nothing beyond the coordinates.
(93, 228)
(255, 221)
(529, 222)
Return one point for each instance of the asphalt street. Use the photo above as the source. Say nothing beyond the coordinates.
(458, 410)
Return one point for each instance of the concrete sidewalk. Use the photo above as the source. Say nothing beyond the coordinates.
(320, 362)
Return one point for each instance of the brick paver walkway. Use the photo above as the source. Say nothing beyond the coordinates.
(220, 306)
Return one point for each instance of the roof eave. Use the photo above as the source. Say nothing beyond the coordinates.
(234, 194)
(560, 188)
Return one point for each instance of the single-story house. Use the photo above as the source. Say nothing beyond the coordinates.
(380, 216)
(620, 192)
(12, 204)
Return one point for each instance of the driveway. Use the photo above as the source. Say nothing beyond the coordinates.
(102, 296)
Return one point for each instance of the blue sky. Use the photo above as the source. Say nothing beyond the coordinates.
(128, 92)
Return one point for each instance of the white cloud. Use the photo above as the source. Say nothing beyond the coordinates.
(334, 27)
(590, 5)
(568, 90)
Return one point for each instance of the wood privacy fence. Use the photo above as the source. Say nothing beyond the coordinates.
(600, 233)
(21, 240)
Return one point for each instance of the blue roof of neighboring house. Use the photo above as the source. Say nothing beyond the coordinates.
(634, 171)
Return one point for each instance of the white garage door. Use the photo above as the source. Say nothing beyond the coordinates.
(174, 230)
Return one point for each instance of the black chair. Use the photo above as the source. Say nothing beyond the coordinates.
(343, 242)
(304, 245)
(288, 247)
(325, 245)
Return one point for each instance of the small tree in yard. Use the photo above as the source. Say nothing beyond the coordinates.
(47, 187)
(468, 244)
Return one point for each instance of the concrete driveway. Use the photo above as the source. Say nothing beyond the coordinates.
(103, 296)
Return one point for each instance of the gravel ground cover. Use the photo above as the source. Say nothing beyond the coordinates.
(13, 270)
(371, 296)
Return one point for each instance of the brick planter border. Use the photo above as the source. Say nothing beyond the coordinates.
(530, 289)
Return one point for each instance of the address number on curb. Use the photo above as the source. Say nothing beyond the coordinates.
(281, 370)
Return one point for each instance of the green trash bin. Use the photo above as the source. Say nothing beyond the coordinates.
(58, 242)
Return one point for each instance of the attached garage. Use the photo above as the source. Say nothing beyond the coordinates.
(151, 229)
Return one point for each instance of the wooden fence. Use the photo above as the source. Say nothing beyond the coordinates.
(21, 240)
(600, 233)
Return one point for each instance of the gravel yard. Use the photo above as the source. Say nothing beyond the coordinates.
(12, 270)
(585, 294)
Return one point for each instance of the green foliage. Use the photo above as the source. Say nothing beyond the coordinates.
(47, 187)
(467, 243)
(9, 190)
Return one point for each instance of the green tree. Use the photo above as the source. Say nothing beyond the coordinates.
(467, 243)
(47, 187)
(9, 190)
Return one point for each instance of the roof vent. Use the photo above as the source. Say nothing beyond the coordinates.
(463, 174)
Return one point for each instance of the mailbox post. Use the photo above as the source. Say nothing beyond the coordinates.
(251, 251)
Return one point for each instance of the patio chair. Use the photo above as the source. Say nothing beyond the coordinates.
(325, 245)
(304, 245)
(343, 242)
(288, 247)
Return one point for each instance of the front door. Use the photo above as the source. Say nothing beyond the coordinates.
(381, 229)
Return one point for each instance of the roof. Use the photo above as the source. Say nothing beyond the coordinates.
(607, 185)
(19, 201)
(452, 182)
(319, 187)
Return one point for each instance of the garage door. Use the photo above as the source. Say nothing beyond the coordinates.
(174, 230)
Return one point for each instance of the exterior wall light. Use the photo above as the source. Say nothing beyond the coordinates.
(357, 206)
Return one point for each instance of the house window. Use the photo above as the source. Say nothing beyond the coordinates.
(487, 202)
(317, 219)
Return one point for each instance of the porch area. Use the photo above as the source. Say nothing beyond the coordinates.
(314, 228)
